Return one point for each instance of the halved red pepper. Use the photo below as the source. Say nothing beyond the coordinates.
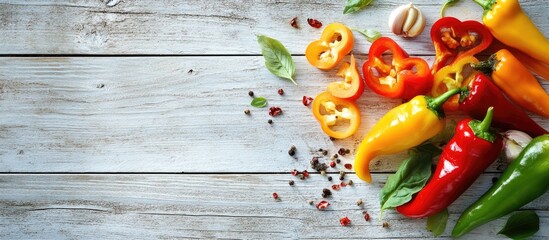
(404, 77)
(453, 38)
(352, 86)
(338, 118)
(335, 42)
(455, 75)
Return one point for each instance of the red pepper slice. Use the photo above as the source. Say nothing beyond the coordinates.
(453, 38)
(352, 86)
(404, 77)
(335, 42)
(338, 118)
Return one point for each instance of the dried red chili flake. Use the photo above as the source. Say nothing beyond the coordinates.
(293, 22)
(305, 173)
(295, 172)
(280, 91)
(344, 221)
(348, 166)
(307, 100)
(332, 164)
(366, 216)
(322, 205)
(342, 151)
(343, 184)
(314, 23)
(275, 195)
(335, 187)
(275, 111)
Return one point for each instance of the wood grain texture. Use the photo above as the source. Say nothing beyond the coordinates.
(153, 114)
(202, 27)
(212, 206)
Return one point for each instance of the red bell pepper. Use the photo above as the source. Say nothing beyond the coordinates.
(453, 38)
(472, 149)
(482, 93)
(403, 77)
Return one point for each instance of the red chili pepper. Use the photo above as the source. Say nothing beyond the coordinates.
(453, 38)
(404, 77)
(472, 149)
(483, 93)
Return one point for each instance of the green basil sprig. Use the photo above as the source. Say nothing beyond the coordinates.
(521, 225)
(371, 35)
(437, 222)
(277, 58)
(355, 5)
(410, 178)
(259, 102)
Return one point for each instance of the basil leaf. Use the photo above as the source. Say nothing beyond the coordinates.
(259, 102)
(371, 35)
(437, 222)
(277, 58)
(447, 4)
(521, 225)
(410, 177)
(355, 5)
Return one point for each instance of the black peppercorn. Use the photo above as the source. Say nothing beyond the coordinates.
(251, 93)
(327, 192)
(270, 121)
(330, 178)
(291, 182)
(338, 161)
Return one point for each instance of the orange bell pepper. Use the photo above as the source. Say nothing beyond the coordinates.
(516, 82)
(451, 77)
(335, 42)
(352, 87)
(338, 118)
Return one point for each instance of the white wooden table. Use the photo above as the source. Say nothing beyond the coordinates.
(124, 120)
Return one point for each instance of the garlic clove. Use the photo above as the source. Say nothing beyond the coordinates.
(513, 143)
(411, 18)
(397, 18)
(407, 21)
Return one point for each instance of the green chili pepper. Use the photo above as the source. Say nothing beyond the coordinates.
(526, 179)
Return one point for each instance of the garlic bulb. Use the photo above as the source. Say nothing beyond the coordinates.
(407, 21)
(513, 143)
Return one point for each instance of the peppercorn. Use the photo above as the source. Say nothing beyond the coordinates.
(305, 173)
(332, 138)
(301, 176)
(323, 172)
(332, 164)
(247, 111)
(280, 91)
(325, 152)
(327, 192)
(310, 202)
(350, 183)
(341, 151)
(324, 195)
(275, 195)
(330, 178)
(291, 182)
(335, 156)
(342, 177)
(322, 166)
(270, 121)
(342, 173)
(291, 152)
(251, 93)
(385, 224)
(338, 161)
(347, 151)
(359, 202)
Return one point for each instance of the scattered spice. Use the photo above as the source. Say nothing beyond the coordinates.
(342, 173)
(338, 161)
(347, 151)
(322, 205)
(320, 149)
(301, 176)
(275, 196)
(335, 187)
(270, 121)
(385, 224)
(293, 22)
(280, 91)
(314, 23)
(332, 139)
(251, 93)
(344, 221)
(350, 183)
(348, 166)
(326, 192)
(305, 173)
(310, 202)
(275, 111)
(332, 164)
(359, 202)
(291, 182)
(330, 178)
(342, 177)
(307, 100)
(343, 184)
(325, 152)
(342, 151)
(295, 172)
(335, 156)
(367, 217)
(247, 111)
(323, 172)
(291, 152)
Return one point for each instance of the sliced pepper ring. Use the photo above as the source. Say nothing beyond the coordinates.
(453, 38)
(335, 42)
(338, 118)
(457, 75)
(404, 77)
(352, 86)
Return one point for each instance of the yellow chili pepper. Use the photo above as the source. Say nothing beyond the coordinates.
(510, 25)
(403, 127)
(516, 82)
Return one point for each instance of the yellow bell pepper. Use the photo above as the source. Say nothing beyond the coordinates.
(510, 25)
(402, 128)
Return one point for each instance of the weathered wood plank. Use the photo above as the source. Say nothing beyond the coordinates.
(201, 27)
(149, 114)
(210, 206)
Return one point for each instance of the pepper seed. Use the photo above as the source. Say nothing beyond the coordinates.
(359, 202)
(251, 93)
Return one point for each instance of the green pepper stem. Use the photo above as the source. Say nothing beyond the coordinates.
(485, 4)
(486, 67)
(484, 126)
(437, 102)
